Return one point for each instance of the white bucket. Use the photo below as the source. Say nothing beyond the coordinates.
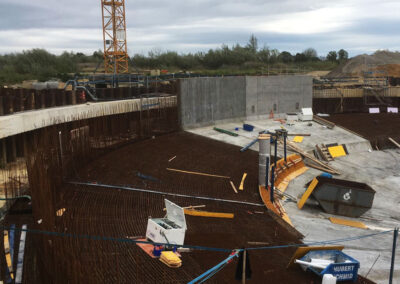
(328, 279)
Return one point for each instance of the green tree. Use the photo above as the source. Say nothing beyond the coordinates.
(332, 56)
(285, 57)
(343, 55)
(310, 54)
(253, 44)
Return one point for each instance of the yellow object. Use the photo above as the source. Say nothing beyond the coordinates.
(301, 251)
(60, 212)
(284, 184)
(307, 194)
(208, 214)
(349, 223)
(196, 173)
(8, 256)
(241, 187)
(275, 207)
(170, 259)
(298, 139)
(337, 151)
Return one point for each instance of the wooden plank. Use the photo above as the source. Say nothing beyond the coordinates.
(190, 207)
(196, 173)
(241, 187)
(192, 212)
(233, 187)
(394, 142)
(307, 194)
(349, 223)
(302, 251)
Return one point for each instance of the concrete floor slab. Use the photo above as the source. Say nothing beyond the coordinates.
(379, 169)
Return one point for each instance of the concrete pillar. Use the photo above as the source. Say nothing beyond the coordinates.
(42, 96)
(19, 142)
(25, 143)
(21, 100)
(31, 100)
(11, 149)
(52, 98)
(3, 153)
(1, 105)
(264, 159)
(73, 94)
(63, 98)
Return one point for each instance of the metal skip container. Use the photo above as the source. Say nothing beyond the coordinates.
(343, 197)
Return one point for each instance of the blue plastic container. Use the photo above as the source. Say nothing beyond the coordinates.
(248, 127)
(344, 268)
(327, 175)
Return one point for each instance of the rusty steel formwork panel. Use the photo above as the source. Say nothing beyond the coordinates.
(343, 197)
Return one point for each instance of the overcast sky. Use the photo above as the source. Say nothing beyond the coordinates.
(359, 26)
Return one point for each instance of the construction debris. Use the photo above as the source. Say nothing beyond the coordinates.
(147, 177)
(323, 122)
(394, 142)
(170, 160)
(241, 187)
(320, 165)
(192, 212)
(170, 259)
(226, 132)
(349, 223)
(60, 212)
(323, 153)
(298, 139)
(233, 187)
(190, 207)
(197, 173)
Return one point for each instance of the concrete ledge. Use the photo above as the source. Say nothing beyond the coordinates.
(27, 121)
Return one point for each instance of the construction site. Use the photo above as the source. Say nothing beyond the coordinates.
(127, 178)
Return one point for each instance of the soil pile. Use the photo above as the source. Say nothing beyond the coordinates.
(382, 60)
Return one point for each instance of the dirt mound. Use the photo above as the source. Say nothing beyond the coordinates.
(381, 60)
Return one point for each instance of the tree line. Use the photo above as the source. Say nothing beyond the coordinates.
(41, 65)
(237, 55)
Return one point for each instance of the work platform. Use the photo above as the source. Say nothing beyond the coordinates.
(378, 169)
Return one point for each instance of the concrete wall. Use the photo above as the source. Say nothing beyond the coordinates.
(206, 100)
(31, 120)
(281, 94)
(203, 101)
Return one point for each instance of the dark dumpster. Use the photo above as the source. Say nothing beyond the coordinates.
(343, 197)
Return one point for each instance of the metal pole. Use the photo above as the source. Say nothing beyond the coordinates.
(284, 132)
(244, 267)
(266, 172)
(395, 234)
(271, 197)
